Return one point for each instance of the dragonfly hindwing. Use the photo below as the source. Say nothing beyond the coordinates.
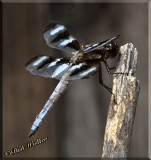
(48, 66)
(57, 36)
(81, 71)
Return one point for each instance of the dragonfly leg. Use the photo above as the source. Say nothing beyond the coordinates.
(101, 82)
(108, 69)
(111, 68)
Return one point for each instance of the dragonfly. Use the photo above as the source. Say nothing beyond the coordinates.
(85, 62)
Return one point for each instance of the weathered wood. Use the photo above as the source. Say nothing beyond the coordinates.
(121, 112)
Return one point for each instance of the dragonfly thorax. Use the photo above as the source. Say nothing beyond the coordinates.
(78, 58)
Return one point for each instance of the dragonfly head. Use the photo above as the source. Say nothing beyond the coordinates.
(112, 49)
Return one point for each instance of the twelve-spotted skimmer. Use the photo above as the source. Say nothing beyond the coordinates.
(86, 61)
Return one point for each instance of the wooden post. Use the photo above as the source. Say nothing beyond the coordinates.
(121, 112)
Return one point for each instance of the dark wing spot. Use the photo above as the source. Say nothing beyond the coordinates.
(63, 35)
(49, 60)
(31, 60)
(49, 26)
(78, 70)
(74, 44)
(63, 60)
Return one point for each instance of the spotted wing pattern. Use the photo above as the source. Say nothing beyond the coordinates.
(81, 71)
(49, 67)
(57, 36)
(56, 67)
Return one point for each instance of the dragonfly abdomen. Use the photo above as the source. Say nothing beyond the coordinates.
(62, 85)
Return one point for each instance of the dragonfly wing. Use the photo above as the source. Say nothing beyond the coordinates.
(95, 46)
(49, 67)
(81, 71)
(57, 36)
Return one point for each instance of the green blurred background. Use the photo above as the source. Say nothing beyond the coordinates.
(76, 124)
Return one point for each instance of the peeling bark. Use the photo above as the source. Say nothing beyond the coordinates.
(121, 112)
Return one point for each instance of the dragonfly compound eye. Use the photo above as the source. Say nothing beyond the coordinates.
(113, 49)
